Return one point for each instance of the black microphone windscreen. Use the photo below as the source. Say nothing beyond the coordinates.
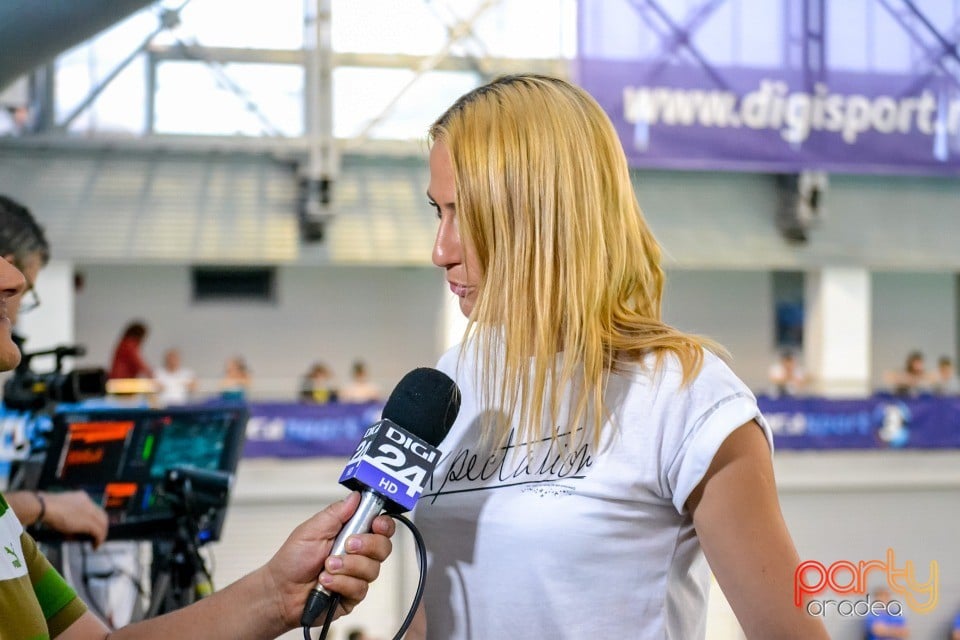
(425, 403)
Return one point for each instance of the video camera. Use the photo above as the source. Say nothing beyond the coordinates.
(28, 390)
(163, 476)
(196, 493)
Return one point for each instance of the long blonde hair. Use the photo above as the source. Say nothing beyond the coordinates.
(572, 284)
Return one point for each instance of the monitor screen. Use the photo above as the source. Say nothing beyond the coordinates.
(121, 458)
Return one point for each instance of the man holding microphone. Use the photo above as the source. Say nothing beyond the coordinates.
(36, 602)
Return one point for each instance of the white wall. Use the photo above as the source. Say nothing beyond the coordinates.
(718, 220)
(735, 308)
(854, 506)
(390, 317)
(395, 319)
(912, 311)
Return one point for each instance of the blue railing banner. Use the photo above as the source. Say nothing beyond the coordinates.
(292, 430)
(287, 430)
(879, 422)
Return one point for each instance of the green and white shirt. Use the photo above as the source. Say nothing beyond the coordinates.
(35, 601)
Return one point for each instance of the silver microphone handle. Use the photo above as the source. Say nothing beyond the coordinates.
(371, 505)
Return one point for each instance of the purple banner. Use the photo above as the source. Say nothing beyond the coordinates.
(881, 422)
(691, 87)
(766, 121)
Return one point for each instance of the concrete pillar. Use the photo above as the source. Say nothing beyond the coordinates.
(837, 331)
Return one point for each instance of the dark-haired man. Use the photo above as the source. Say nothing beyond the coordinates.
(24, 245)
(36, 602)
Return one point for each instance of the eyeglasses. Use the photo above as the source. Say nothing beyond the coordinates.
(30, 300)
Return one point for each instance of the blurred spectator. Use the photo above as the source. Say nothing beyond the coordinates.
(955, 634)
(317, 385)
(913, 379)
(236, 380)
(359, 389)
(945, 380)
(17, 120)
(883, 625)
(127, 360)
(787, 377)
(176, 383)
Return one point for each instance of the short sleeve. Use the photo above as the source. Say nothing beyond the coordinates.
(60, 605)
(711, 408)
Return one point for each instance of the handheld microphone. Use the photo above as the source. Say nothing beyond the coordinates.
(394, 459)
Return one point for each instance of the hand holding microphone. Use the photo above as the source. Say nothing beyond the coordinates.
(393, 460)
(291, 574)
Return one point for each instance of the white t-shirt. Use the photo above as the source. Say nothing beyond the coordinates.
(174, 385)
(579, 542)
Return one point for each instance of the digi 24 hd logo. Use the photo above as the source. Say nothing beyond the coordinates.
(393, 463)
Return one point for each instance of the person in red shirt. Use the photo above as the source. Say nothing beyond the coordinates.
(127, 360)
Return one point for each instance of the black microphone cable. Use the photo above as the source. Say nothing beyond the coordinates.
(421, 583)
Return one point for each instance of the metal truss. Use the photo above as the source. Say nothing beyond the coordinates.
(318, 59)
(804, 44)
(674, 37)
(168, 19)
(456, 32)
(939, 60)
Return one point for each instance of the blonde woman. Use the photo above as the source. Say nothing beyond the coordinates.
(599, 454)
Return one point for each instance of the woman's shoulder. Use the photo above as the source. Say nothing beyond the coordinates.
(668, 375)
